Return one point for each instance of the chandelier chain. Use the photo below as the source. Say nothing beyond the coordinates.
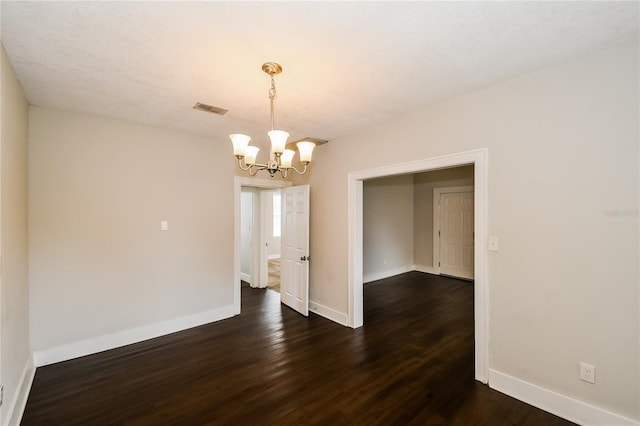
(272, 97)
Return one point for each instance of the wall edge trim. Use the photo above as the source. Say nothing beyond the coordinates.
(555, 403)
(329, 313)
(126, 337)
(426, 269)
(386, 274)
(19, 401)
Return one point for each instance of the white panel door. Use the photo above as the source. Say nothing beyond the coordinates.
(456, 234)
(294, 269)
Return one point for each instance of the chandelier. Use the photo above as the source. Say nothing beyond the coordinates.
(281, 158)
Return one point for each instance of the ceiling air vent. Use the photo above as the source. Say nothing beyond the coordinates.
(208, 108)
(309, 139)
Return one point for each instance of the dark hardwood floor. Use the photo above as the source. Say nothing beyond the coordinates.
(411, 363)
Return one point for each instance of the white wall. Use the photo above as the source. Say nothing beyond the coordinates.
(99, 264)
(424, 183)
(16, 368)
(563, 150)
(387, 227)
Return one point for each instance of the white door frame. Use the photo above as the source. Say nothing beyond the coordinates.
(238, 183)
(479, 158)
(436, 219)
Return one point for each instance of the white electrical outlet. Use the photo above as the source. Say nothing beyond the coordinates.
(587, 372)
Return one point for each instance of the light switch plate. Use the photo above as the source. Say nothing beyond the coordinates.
(164, 225)
(493, 243)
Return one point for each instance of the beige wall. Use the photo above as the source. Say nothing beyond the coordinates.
(14, 292)
(563, 148)
(387, 227)
(98, 189)
(424, 183)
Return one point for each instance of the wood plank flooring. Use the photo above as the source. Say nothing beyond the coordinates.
(411, 363)
(274, 274)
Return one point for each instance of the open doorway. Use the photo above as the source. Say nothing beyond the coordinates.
(477, 158)
(419, 222)
(254, 244)
(260, 232)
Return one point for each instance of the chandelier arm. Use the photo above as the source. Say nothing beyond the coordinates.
(255, 168)
(303, 170)
(244, 169)
(272, 168)
(252, 168)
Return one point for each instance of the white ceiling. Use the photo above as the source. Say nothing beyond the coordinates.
(346, 65)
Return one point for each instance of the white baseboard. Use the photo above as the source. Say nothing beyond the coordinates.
(273, 256)
(426, 269)
(245, 277)
(386, 274)
(328, 313)
(19, 400)
(563, 406)
(127, 337)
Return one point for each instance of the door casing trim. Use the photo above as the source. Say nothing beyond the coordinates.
(479, 159)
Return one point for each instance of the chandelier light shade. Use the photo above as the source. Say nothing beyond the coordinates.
(240, 143)
(287, 158)
(306, 150)
(281, 159)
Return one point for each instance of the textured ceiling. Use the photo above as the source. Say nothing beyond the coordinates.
(346, 65)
